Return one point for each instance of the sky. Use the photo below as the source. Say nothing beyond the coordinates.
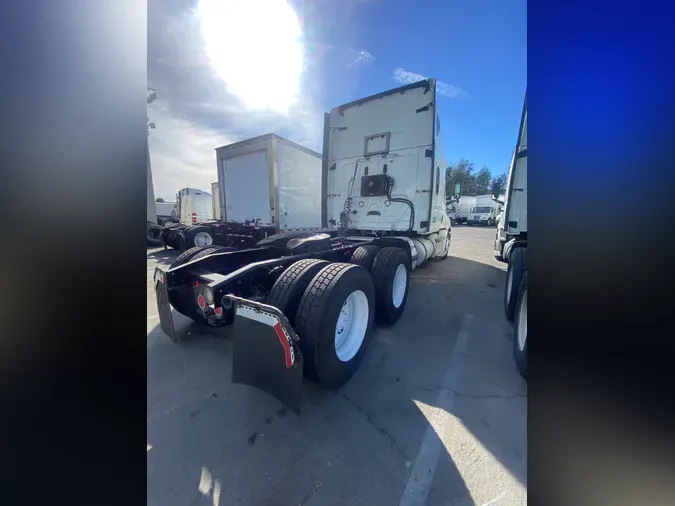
(227, 70)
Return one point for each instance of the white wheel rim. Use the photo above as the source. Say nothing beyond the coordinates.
(203, 239)
(351, 326)
(509, 285)
(522, 323)
(399, 285)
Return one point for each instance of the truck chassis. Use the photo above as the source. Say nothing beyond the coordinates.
(230, 234)
(288, 299)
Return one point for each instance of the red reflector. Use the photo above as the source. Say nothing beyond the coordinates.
(218, 310)
(196, 283)
(201, 301)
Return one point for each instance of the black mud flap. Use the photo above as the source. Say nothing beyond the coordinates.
(266, 353)
(163, 305)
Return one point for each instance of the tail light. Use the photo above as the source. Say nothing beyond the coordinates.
(194, 217)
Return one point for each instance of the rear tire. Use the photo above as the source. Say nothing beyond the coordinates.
(514, 273)
(199, 235)
(335, 321)
(154, 234)
(289, 288)
(365, 256)
(191, 254)
(185, 256)
(520, 329)
(446, 246)
(391, 277)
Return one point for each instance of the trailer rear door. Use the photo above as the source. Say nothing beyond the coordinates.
(247, 187)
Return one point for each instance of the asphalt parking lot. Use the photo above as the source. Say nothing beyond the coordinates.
(435, 415)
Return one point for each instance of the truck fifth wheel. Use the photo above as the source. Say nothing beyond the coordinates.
(305, 302)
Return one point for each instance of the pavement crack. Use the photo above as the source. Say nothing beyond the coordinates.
(304, 501)
(388, 435)
(471, 396)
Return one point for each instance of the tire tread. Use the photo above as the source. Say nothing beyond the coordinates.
(365, 255)
(308, 316)
(518, 262)
(382, 271)
(286, 285)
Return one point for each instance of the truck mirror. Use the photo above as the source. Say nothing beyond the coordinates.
(496, 189)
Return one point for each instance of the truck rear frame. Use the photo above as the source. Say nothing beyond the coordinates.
(234, 286)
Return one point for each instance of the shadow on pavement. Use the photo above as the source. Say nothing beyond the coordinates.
(232, 444)
(163, 256)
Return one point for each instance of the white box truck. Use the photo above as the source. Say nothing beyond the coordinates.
(484, 212)
(464, 206)
(304, 301)
(266, 185)
(271, 181)
(511, 244)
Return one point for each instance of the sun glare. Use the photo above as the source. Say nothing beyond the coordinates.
(256, 47)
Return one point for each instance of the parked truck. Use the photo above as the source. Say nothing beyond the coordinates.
(166, 213)
(484, 212)
(304, 302)
(464, 206)
(266, 185)
(511, 244)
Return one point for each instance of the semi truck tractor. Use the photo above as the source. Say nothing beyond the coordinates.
(266, 185)
(166, 213)
(304, 302)
(511, 244)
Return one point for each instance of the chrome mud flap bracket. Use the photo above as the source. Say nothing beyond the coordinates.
(266, 353)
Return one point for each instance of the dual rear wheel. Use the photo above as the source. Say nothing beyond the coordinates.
(333, 306)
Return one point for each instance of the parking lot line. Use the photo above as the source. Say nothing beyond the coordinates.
(422, 475)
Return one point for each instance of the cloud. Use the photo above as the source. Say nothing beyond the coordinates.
(204, 102)
(202, 106)
(181, 151)
(404, 76)
(360, 57)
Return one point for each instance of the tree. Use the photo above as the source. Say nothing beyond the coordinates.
(502, 179)
(462, 173)
(483, 181)
(159, 199)
(471, 184)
